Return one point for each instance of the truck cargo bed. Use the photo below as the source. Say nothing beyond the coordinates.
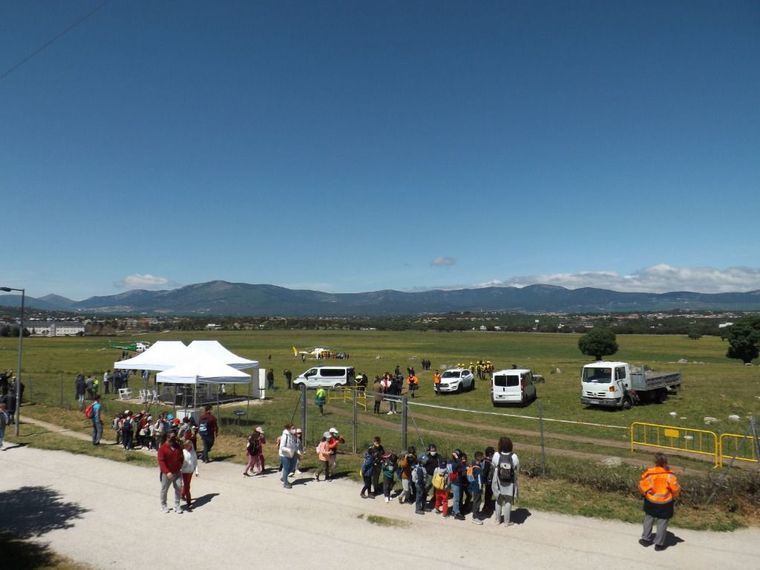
(643, 381)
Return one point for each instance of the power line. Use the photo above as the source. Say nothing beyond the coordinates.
(51, 41)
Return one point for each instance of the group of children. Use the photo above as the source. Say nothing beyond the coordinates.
(485, 485)
(139, 430)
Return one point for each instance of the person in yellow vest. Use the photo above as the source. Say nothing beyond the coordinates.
(436, 382)
(660, 488)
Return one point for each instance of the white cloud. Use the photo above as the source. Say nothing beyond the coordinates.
(145, 281)
(443, 261)
(659, 278)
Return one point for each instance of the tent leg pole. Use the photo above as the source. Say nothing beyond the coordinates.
(195, 396)
(174, 401)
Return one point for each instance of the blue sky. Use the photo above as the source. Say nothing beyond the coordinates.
(353, 146)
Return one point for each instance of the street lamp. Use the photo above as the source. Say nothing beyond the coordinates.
(20, 353)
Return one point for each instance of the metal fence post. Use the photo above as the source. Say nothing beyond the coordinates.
(543, 449)
(304, 417)
(753, 427)
(60, 381)
(404, 423)
(353, 425)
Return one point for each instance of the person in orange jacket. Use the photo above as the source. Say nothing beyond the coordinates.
(436, 382)
(660, 488)
(413, 382)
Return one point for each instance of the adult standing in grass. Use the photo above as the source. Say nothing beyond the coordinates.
(287, 452)
(506, 465)
(97, 421)
(79, 389)
(209, 429)
(288, 377)
(170, 460)
(320, 397)
(660, 488)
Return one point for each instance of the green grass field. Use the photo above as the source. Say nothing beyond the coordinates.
(712, 386)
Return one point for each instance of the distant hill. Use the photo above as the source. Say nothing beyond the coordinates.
(224, 298)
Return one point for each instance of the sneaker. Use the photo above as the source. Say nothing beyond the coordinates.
(389, 414)
(164, 509)
(459, 517)
(644, 542)
(387, 499)
(178, 510)
(288, 486)
(477, 521)
(419, 512)
(298, 472)
(659, 547)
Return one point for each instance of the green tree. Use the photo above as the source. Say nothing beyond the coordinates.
(743, 339)
(598, 342)
(694, 333)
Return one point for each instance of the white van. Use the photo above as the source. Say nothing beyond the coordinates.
(326, 376)
(512, 386)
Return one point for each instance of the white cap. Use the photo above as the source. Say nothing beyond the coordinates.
(333, 430)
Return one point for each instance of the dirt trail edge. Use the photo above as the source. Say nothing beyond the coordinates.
(315, 525)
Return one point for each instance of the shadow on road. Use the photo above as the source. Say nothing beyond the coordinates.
(204, 500)
(25, 555)
(672, 540)
(519, 516)
(34, 511)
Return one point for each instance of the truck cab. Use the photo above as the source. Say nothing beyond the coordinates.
(606, 384)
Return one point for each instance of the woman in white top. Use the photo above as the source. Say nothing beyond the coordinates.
(504, 483)
(288, 452)
(189, 466)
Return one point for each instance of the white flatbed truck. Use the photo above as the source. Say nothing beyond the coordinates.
(619, 385)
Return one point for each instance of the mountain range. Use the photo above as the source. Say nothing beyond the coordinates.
(243, 299)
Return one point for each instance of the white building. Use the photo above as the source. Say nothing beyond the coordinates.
(54, 328)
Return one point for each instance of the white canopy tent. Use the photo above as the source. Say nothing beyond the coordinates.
(162, 355)
(214, 349)
(206, 371)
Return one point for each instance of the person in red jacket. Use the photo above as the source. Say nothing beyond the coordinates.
(660, 488)
(170, 459)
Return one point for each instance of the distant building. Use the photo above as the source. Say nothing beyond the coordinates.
(54, 328)
(724, 325)
(213, 327)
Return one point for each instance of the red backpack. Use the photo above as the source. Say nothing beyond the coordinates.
(88, 411)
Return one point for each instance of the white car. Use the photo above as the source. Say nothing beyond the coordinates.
(326, 377)
(513, 386)
(456, 380)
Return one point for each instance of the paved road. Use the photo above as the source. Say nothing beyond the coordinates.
(313, 525)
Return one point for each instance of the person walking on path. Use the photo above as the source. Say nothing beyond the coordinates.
(504, 486)
(660, 488)
(97, 421)
(251, 452)
(287, 452)
(209, 429)
(323, 455)
(170, 461)
(258, 461)
(188, 469)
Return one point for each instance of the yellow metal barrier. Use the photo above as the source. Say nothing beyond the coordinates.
(738, 447)
(677, 438)
(345, 394)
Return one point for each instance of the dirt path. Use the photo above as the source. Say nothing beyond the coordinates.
(106, 514)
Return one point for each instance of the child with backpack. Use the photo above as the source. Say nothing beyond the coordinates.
(389, 473)
(474, 483)
(441, 487)
(486, 476)
(419, 478)
(406, 464)
(457, 476)
(506, 465)
(251, 452)
(367, 466)
(323, 455)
